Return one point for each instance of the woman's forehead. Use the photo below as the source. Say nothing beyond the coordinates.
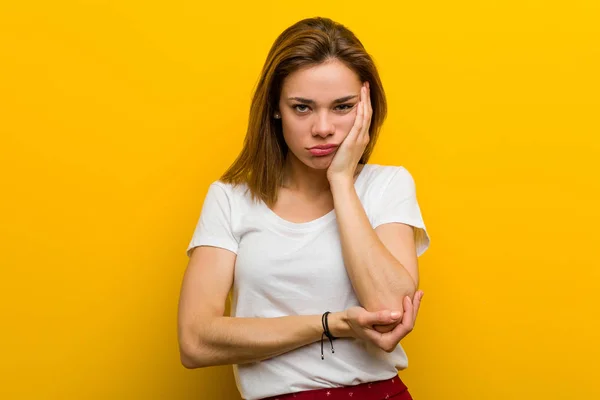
(321, 82)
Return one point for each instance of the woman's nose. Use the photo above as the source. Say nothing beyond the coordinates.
(323, 125)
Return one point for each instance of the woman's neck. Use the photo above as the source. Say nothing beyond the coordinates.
(299, 177)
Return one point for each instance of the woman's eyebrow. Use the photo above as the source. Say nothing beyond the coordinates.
(312, 102)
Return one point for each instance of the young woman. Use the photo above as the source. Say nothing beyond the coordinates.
(317, 245)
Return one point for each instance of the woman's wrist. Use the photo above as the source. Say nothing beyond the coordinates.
(338, 324)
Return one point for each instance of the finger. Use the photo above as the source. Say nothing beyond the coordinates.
(386, 328)
(368, 101)
(408, 317)
(357, 127)
(418, 296)
(406, 326)
(366, 114)
(417, 303)
(365, 126)
(369, 106)
(378, 318)
(369, 96)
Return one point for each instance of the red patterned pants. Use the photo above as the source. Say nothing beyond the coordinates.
(392, 388)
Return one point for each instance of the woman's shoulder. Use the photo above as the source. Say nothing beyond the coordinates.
(230, 190)
(234, 196)
(383, 175)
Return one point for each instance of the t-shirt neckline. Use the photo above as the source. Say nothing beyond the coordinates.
(301, 226)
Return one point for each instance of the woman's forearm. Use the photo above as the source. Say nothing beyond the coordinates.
(234, 340)
(379, 279)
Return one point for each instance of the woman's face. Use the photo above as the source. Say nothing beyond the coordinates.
(318, 107)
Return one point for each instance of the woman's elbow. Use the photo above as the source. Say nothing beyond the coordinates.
(188, 357)
(395, 301)
(194, 360)
(191, 354)
(187, 360)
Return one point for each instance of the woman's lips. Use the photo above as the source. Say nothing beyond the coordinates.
(315, 151)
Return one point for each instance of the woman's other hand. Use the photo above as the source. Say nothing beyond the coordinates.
(361, 323)
(346, 159)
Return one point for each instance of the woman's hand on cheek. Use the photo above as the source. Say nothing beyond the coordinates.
(348, 155)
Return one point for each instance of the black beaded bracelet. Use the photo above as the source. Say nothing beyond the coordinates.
(326, 332)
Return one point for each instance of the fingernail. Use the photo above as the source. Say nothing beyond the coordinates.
(395, 314)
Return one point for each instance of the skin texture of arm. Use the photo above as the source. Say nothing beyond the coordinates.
(381, 263)
(207, 337)
(227, 340)
(373, 256)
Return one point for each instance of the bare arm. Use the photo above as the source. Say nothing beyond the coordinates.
(380, 269)
(208, 338)
(226, 340)
(372, 257)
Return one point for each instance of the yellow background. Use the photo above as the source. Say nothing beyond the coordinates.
(116, 116)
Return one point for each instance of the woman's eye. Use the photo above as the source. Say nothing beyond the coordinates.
(345, 107)
(303, 110)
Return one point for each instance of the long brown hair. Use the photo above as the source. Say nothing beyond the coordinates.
(308, 42)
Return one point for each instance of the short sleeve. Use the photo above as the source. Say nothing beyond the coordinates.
(214, 226)
(398, 203)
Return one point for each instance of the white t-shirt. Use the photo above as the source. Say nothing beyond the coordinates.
(284, 268)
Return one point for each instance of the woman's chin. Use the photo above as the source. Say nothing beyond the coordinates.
(321, 163)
